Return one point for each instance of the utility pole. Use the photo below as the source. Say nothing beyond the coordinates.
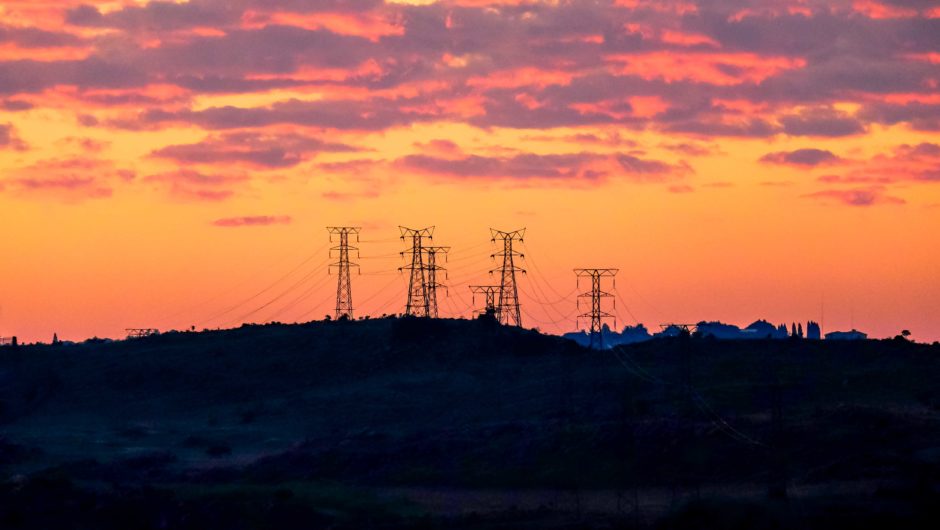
(433, 284)
(344, 303)
(490, 292)
(597, 314)
(418, 303)
(507, 308)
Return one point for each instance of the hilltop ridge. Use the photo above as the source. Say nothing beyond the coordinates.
(405, 411)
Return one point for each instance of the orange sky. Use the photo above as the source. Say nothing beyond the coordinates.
(175, 164)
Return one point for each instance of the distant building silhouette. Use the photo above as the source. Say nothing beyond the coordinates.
(846, 335)
(762, 329)
(629, 335)
(719, 330)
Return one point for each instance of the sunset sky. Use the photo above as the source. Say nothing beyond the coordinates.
(175, 164)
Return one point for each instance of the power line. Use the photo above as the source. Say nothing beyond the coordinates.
(716, 419)
(540, 278)
(539, 273)
(567, 298)
(548, 322)
(625, 306)
(284, 293)
(269, 287)
(303, 296)
(380, 291)
(552, 306)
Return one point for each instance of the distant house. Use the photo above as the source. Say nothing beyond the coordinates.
(846, 335)
(719, 330)
(629, 335)
(764, 330)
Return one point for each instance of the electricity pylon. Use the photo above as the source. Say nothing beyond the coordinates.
(418, 303)
(507, 308)
(490, 292)
(344, 303)
(597, 314)
(432, 283)
(139, 333)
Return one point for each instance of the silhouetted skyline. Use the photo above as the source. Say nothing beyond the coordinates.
(160, 161)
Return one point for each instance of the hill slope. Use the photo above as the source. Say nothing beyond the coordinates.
(468, 422)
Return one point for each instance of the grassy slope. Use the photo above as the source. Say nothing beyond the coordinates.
(463, 404)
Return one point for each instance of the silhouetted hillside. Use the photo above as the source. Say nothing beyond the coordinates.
(403, 422)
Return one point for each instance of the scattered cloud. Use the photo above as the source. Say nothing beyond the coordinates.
(575, 167)
(9, 139)
(262, 150)
(587, 74)
(16, 105)
(524, 166)
(67, 180)
(650, 169)
(692, 149)
(252, 220)
(905, 163)
(192, 185)
(821, 122)
(801, 157)
(344, 196)
(439, 147)
(857, 197)
(71, 187)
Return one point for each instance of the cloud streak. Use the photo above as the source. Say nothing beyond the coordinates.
(859, 197)
(252, 220)
(267, 151)
(802, 157)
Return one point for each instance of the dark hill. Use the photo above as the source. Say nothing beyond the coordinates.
(399, 422)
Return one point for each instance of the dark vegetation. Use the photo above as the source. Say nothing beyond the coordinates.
(403, 423)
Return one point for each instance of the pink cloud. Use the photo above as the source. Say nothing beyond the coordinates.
(254, 220)
(9, 139)
(857, 197)
(257, 149)
(801, 157)
(68, 179)
(194, 185)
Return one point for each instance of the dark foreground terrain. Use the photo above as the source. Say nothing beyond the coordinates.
(405, 423)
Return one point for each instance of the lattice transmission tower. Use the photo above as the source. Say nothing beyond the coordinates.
(344, 303)
(507, 306)
(490, 292)
(418, 302)
(597, 314)
(432, 275)
(139, 333)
